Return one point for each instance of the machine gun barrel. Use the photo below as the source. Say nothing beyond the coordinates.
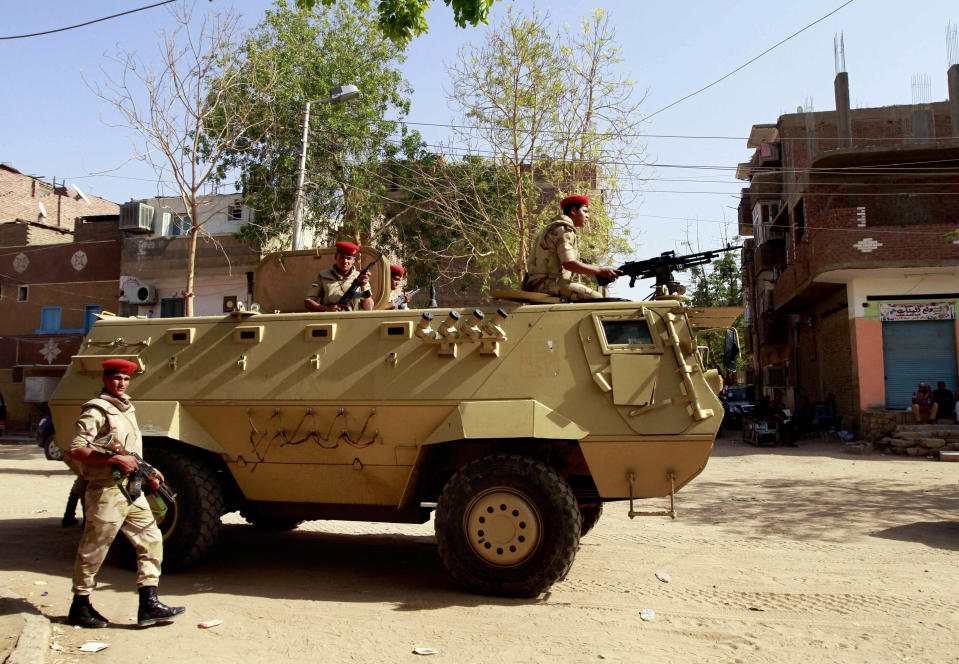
(662, 266)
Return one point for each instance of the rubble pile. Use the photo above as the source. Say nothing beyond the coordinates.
(920, 439)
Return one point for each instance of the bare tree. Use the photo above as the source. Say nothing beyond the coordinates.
(171, 108)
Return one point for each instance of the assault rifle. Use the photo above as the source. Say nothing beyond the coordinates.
(110, 446)
(401, 299)
(663, 265)
(354, 286)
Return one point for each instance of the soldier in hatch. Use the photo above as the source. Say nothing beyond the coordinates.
(331, 284)
(398, 299)
(554, 257)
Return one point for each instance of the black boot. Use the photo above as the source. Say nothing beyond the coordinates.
(70, 513)
(83, 614)
(152, 610)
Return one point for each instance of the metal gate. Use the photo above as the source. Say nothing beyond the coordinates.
(915, 351)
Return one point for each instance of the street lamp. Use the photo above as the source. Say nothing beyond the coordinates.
(338, 95)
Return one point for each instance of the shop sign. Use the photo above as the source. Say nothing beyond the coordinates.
(918, 311)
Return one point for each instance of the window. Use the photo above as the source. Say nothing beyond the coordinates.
(172, 307)
(627, 332)
(799, 220)
(236, 212)
(90, 312)
(181, 225)
(49, 319)
(23, 292)
(128, 309)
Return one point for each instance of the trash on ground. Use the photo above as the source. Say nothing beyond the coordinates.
(56, 647)
(425, 651)
(207, 624)
(39, 583)
(647, 615)
(664, 577)
(94, 646)
(756, 608)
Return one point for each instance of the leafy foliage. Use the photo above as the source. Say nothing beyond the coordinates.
(311, 52)
(401, 20)
(719, 286)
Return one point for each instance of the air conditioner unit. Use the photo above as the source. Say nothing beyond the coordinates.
(142, 294)
(137, 217)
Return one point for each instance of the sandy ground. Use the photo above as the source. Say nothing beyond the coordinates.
(778, 555)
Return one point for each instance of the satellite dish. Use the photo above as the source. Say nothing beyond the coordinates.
(80, 194)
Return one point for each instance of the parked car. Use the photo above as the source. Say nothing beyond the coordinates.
(47, 440)
(739, 402)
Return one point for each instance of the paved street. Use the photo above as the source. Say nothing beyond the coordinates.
(778, 555)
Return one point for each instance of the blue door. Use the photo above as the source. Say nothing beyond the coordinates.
(914, 351)
(90, 312)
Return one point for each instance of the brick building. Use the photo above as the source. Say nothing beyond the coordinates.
(851, 284)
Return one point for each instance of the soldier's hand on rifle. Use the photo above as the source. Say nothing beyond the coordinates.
(609, 273)
(365, 280)
(155, 480)
(126, 463)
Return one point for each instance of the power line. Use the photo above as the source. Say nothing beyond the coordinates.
(80, 25)
(749, 62)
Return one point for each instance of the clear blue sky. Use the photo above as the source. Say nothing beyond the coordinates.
(52, 125)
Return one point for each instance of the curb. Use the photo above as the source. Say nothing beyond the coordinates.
(34, 639)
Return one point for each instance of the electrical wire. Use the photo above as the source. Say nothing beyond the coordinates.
(749, 62)
(80, 25)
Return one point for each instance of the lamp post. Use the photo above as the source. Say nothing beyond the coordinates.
(338, 95)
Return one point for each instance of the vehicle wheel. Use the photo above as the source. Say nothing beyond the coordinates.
(51, 450)
(190, 526)
(507, 525)
(589, 516)
(273, 523)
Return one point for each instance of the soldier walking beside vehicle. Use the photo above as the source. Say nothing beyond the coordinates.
(111, 505)
(332, 284)
(554, 256)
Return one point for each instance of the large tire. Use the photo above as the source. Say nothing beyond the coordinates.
(589, 513)
(51, 450)
(268, 523)
(191, 526)
(507, 525)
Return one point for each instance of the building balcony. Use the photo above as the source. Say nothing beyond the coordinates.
(770, 255)
(773, 330)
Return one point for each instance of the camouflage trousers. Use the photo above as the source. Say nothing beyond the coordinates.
(109, 512)
(562, 288)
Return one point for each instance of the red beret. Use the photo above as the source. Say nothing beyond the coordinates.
(122, 366)
(573, 200)
(397, 270)
(347, 248)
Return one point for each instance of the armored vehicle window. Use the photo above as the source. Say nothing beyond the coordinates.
(627, 332)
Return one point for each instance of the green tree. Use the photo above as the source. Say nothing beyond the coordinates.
(719, 286)
(311, 51)
(551, 109)
(401, 20)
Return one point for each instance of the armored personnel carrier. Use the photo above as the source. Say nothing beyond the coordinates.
(514, 424)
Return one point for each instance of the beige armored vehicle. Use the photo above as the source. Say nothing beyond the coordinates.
(515, 425)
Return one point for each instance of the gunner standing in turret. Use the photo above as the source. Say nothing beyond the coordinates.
(554, 257)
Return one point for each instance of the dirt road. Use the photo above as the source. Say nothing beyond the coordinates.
(778, 555)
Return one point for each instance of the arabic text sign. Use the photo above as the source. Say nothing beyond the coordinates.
(918, 311)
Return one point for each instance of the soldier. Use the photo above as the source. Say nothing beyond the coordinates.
(331, 284)
(555, 255)
(109, 507)
(398, 299)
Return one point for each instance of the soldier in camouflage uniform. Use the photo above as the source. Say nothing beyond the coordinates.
(554, 257)
(398, 299)
(330, 285)
(108, 505)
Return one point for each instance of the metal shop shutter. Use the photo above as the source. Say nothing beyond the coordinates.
(914, 351)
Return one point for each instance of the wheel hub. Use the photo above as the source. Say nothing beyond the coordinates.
(503, 526)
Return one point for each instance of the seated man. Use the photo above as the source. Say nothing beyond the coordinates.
(331, 284)
(398, 299)
(945, 400)
(554, 256)
(923, 403)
